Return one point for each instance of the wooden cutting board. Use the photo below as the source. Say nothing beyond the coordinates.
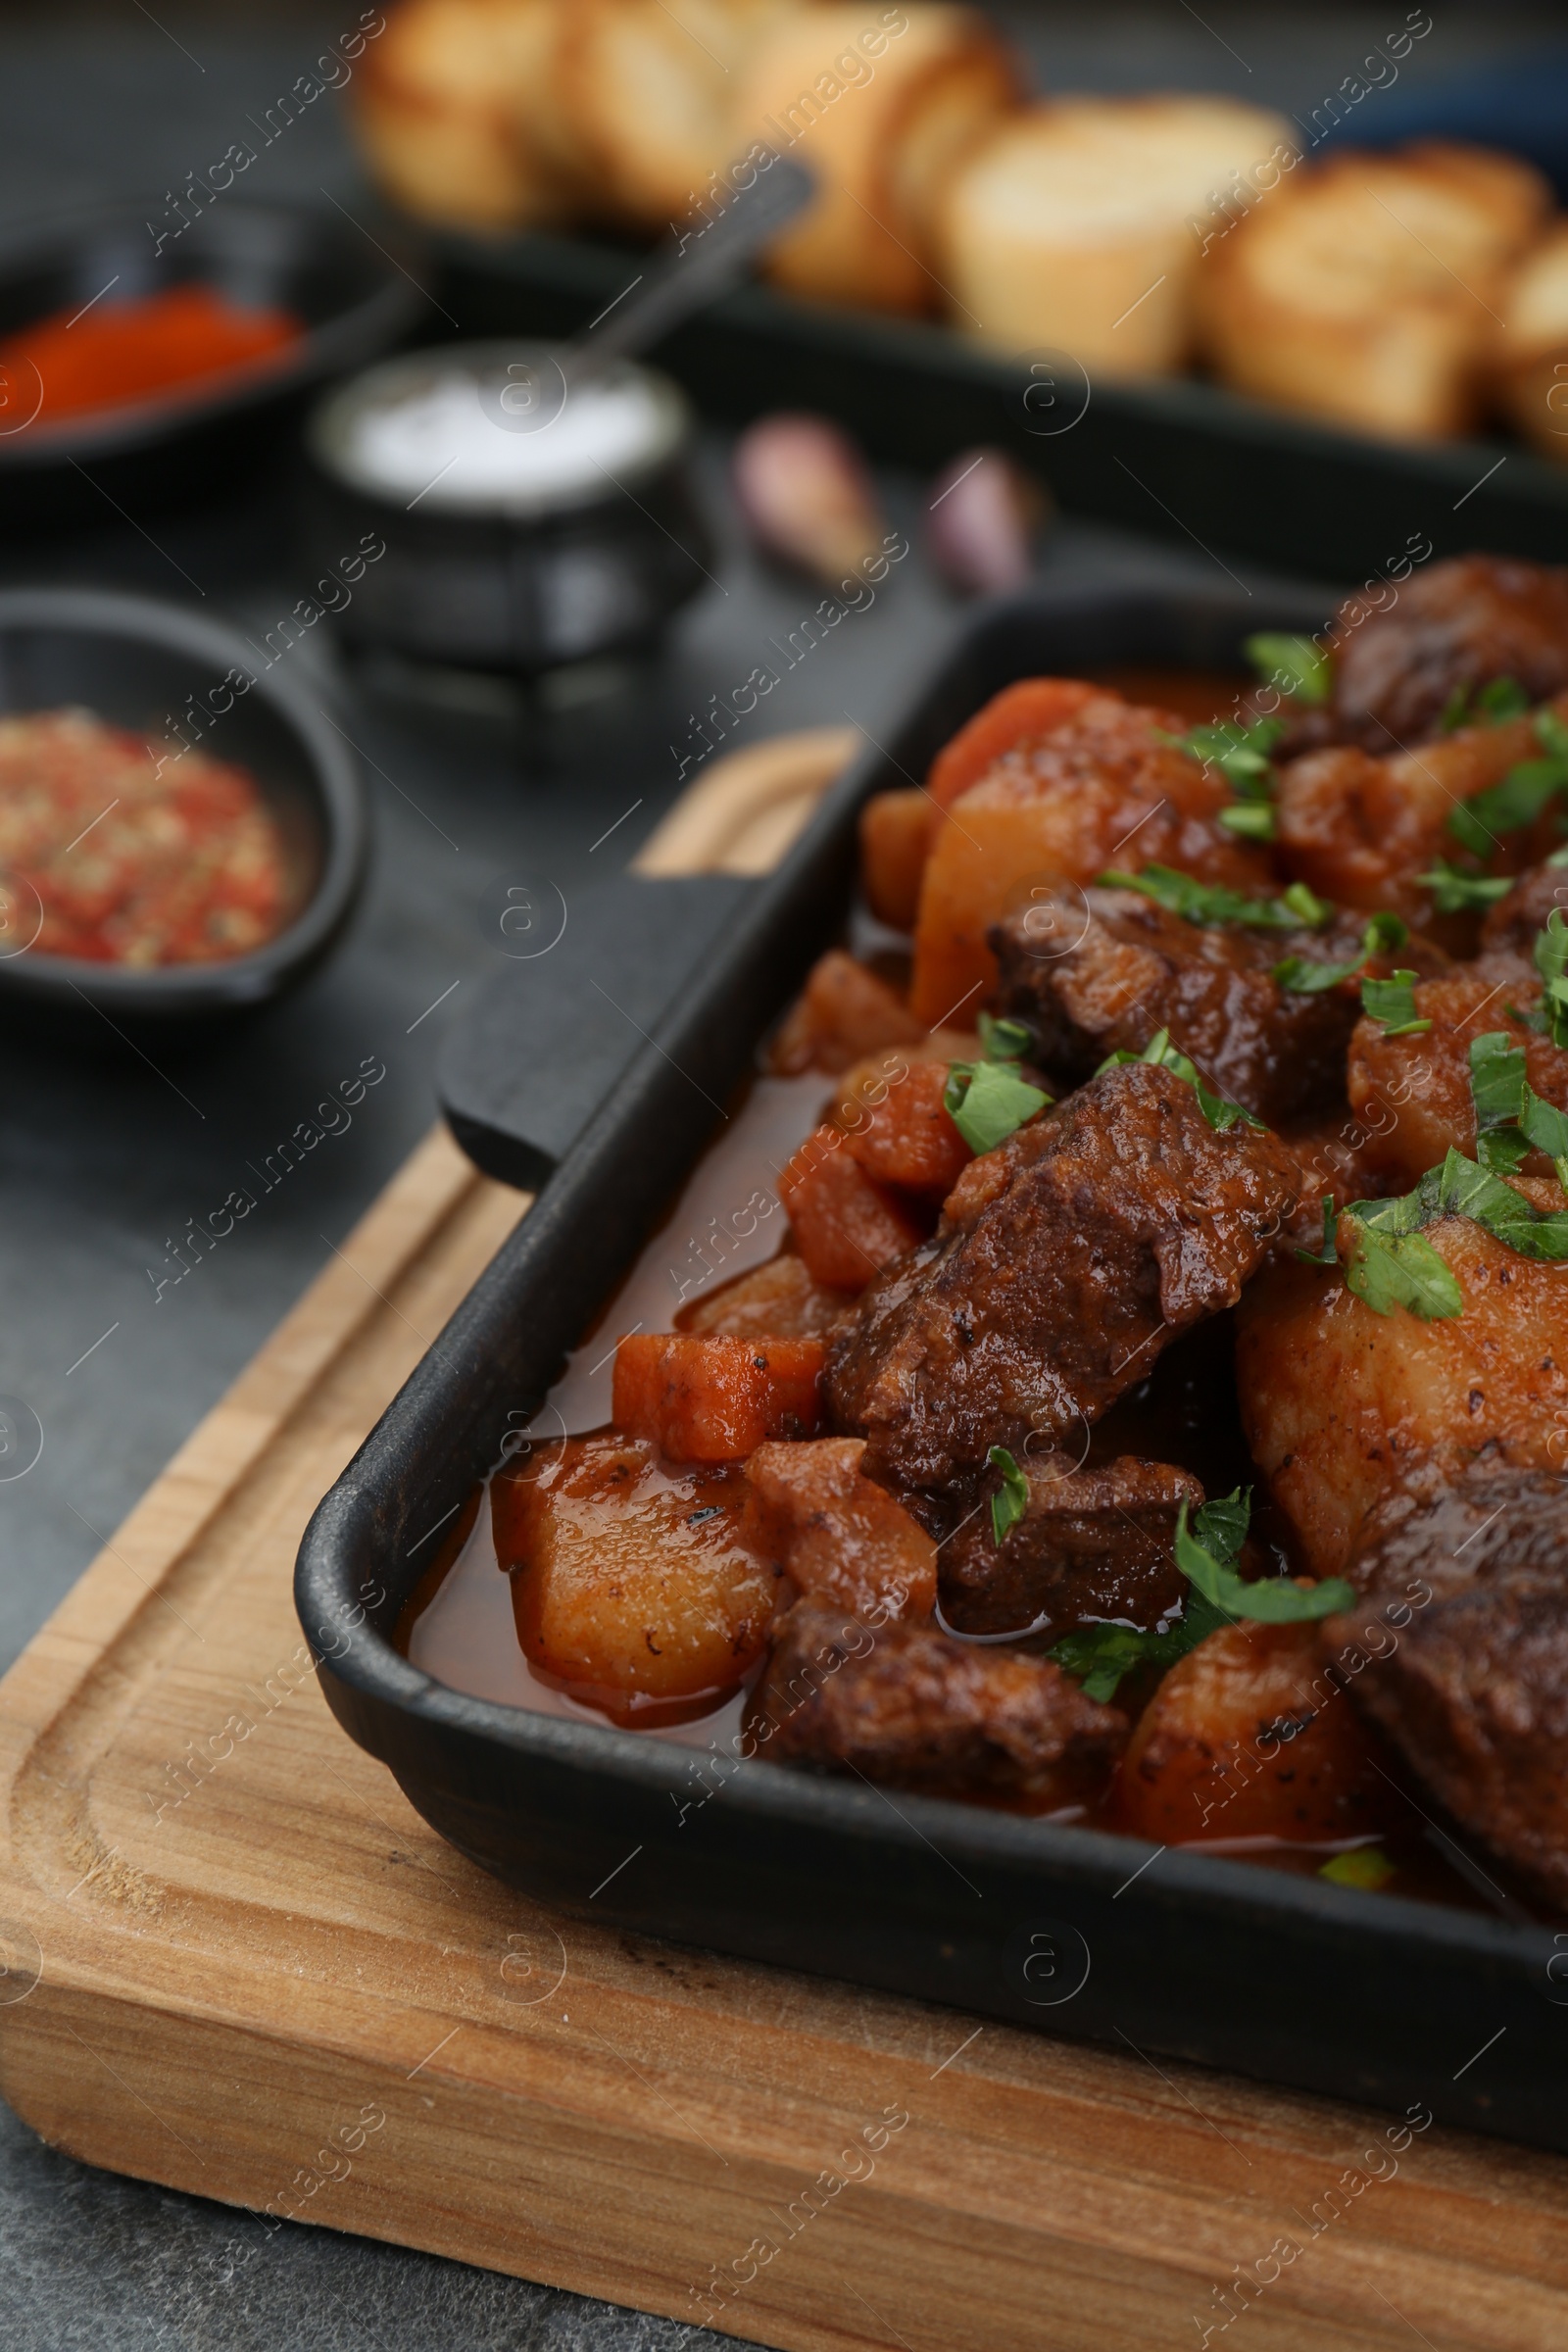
(238, 1963)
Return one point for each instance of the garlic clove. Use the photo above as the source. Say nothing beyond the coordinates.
(985, 513)
(806, 495)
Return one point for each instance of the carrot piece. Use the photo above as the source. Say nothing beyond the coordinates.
(714, 1399)
(845, 1011)
(908, 1137)
(896, 829)
(1033, 707)
(847, 1227)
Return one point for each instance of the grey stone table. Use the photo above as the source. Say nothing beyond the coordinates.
(101, 1158)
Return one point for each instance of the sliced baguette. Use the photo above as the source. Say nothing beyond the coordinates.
(648, 85)
(1532, 347)
(1368, 290)
(1079, 225)
(452, 111)
(883, 105)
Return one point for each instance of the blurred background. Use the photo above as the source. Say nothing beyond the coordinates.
(1294, 299)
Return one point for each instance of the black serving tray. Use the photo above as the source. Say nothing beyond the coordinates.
(1175, 457)
(1296, 1981)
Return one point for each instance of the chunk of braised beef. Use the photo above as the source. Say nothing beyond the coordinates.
(1132, 967)
(1094, 1543)
(1066, 1262)
(909, 1704)
(1458, 1650)
(1455, 627)
(1512, 927)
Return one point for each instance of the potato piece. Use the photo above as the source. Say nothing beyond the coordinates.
(895, 842)
(1248, 1736)
(1411, 1095)
(712, 1399)
(1061, 806)
(777, 1301)
(1339, 1401)
(908, 1138)
(632, 1584)
(844, 1012)
(840, 1538)
(1363, 830)
(847, 1227)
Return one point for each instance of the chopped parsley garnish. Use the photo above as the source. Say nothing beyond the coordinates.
(1010, 1502)
(1524, 792)
(1454, 893)
(1003, 1039)
(1364, 1865)
(1551, 963)
(1392, 1001)
(1221, 1115)
(1328, 1255)
(1098, 1655)
(1240, 754)
(1297, 666)
(1497, 1086)
(1461, 1189)
(1501, 698)
(1393, 1265)
(988, 1100)
(1206, 1556)
(1215, 902)
(1305, 976)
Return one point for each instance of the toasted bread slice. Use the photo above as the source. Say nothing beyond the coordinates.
(453, 116)
(649, 86)
(1079, 225)
(1369, 290)
(882, 106)
(1532, 347)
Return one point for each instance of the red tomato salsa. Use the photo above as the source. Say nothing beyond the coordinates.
(132, 858)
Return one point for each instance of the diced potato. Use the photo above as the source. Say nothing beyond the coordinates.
(1247, 1737)
(1032, 707)
(895, 830)
(847, 1227)
(838, 1535)
(777, 1301)
(1411, 1095)
(1101, 789)
(844, 1012)
(632, 1583)
(1339, 1401)
(906, 1138)
(702, 1399)
(1362, 830)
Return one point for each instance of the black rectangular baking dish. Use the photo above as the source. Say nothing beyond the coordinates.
(1378, 1999)
(1172, 457)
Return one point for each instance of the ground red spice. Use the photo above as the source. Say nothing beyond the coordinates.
(130, 862)
(120, 352)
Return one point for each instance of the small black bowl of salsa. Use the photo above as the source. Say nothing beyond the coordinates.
(142, 361)
(161, 873)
